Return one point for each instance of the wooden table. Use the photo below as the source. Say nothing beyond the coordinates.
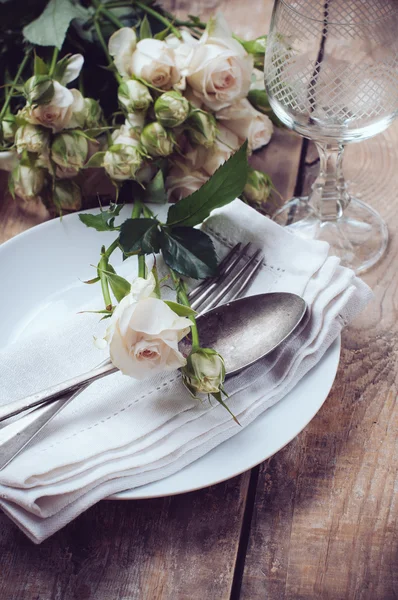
(317, 520)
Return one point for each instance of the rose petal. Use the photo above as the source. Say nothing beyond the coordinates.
(73, 68)
(121, 45)
(62, 98)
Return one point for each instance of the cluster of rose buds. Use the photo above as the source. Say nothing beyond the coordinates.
(50, 139)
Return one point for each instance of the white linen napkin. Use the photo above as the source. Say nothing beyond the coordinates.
(121, 433)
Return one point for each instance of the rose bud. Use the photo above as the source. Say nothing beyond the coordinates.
(69, 149)
(204, 372)
(32, 138)
(8, 128)
(122, 161)
(171, 109)
(202, 128)
(67, 195)
(134, 96)
(93, 113)
(39, 89)
(27, 182)
(258, 187)
(156, 140)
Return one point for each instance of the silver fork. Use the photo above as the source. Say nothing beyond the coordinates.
(235, 274)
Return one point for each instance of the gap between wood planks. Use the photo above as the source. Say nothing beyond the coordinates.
(254, 475)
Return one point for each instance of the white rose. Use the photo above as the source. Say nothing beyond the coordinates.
(126, 135)
(154, 61)
(121, 47)
(220, 68)
(183, 181)
(58, 113)
(247, 123)
(183, 52)
(144, 333)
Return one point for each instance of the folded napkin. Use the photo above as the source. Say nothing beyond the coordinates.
(121, 433)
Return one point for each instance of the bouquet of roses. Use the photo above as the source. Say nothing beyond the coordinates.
(186, 96)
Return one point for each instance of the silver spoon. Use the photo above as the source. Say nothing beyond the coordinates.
(242, 331)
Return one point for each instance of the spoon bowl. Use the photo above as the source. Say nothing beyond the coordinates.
(244, 331)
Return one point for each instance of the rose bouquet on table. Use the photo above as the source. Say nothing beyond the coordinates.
(174, 102)
(144, 329)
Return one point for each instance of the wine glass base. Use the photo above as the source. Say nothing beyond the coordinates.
(359, 237)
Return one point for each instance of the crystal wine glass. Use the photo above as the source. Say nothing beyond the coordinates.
(331, 74)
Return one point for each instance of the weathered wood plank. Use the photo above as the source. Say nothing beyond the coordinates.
(325, 518)
(180, 547)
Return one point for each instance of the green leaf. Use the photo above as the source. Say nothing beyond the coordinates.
(139, 236)
(155, 190)
(40, 67)
(145, 29)
(50, 28)
(162, 34)
(225, 185)
(180, 309)
(119, 286)
(95, 161)
(104, 221)
(90, 281)
(188, 251)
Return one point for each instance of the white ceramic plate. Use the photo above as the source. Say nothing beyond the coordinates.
(41, 272)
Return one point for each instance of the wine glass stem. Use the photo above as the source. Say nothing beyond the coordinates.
(329, 196)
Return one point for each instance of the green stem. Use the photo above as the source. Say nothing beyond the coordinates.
(105, 49)
(156, 277)
(111, 18)
(137, 208)
(103, 266)
(111, 248)
(159, 17)
(53, 61)
(182, 298)
(136, 213)
(190, 24)
(142, 266)
(14, 83)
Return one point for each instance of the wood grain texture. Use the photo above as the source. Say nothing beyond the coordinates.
(182, 548)
(325, 519)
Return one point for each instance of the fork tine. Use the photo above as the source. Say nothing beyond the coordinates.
(222, 267)
(242, 273)
(238, 293)
(212, 285)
